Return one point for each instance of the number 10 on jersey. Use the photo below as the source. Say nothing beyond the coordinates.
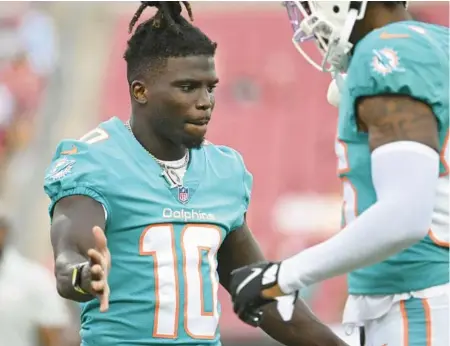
(198, 245)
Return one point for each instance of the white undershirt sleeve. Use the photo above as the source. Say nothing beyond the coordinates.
(405, 176)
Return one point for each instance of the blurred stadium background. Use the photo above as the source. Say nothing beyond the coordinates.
(62, 72)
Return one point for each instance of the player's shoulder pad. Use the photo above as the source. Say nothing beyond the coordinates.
(400, 58)
(76, 168)
(72, 154)
(224, 154)
(92, 151)
(402, 37)
(230, 159)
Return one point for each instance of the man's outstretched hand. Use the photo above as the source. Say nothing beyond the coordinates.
(95, 275)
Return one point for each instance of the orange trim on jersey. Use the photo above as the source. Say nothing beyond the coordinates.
(435, 240)
(72, 151)
(202, 293)
(346, 160)
(405, 323)
(155, 273)
(426, 308)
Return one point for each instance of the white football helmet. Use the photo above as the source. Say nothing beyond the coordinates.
(330, 24)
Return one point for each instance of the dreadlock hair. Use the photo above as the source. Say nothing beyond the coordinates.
(166, 34)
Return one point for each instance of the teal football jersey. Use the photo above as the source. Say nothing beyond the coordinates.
(163, 241)
(405, 58)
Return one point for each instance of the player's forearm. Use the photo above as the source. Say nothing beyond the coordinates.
(304, 329)
(63, 272)
(405, 182)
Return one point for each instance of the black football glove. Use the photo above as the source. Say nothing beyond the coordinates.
(252, 317)
(246, 286)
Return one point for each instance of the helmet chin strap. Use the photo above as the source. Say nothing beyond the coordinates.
(338, 48)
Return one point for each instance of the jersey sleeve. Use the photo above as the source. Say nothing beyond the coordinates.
(75, 170)
(247, 184)
(400, 60)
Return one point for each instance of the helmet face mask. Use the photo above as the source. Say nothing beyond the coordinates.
(329, 24)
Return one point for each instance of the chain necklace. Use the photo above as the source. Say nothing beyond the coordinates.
(168, 172)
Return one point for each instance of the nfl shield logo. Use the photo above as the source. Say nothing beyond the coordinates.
(183, 194)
